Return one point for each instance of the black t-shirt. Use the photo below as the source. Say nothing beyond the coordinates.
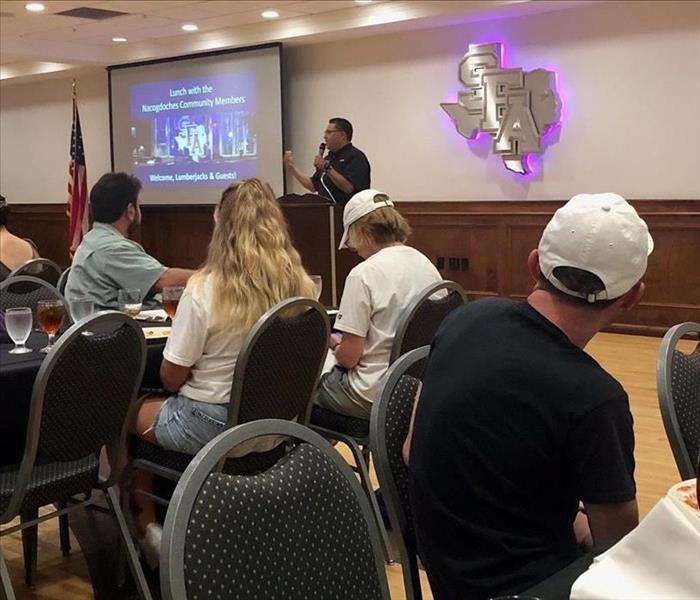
(352, 164)
(514, 426)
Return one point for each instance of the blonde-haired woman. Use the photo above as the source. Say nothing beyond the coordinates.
(251, 266)
(376, 293)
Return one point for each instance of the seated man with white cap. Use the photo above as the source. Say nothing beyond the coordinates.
(516, 424)
(376, 293)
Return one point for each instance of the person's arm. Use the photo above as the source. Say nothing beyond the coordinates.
(173, 277)
(406, 450)
(340, 182)
(185, 344)
(610, 522)
(349, 351)
(173, 376)
(303, 179)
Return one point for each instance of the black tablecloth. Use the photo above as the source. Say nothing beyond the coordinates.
(17, 374)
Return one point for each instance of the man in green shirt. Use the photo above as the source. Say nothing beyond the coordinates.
(107, 260)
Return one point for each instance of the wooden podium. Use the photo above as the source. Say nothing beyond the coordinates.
(316, 226)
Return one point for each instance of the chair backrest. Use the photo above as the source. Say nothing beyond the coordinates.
(280, 363)
(62, 281)
(26, 291)
(41, 268)
(303, 526)
(82, 394)
(678, 385)
(389, 424)
(421, 320)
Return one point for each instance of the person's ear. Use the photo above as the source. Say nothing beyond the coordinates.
(631, 298)
(533, 264)
(131, 211)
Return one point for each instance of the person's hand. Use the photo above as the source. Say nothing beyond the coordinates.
(319, 162)
(334, 340)
(288, 159)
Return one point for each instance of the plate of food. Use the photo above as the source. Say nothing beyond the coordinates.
(686, 494)
(156, 333)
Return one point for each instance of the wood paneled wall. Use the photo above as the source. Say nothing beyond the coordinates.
(488, 242)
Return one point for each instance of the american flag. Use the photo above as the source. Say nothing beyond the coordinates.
(77, 183)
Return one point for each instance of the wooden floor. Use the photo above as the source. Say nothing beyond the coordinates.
(631, 359)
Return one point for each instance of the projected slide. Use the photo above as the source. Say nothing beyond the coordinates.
(188, 127)
(194, 131)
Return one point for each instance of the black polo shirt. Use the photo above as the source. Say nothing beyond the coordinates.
(352, 164)
(514, 426)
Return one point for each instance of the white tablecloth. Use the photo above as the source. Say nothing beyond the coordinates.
(659, 560)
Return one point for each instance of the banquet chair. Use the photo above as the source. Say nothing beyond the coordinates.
(80, 404)
(678, 385)
(415, 329)
(23, 290)
(302, 526)
(62, 281)
(275, 376)
(418, 324)
(389, 424)
(41, 268)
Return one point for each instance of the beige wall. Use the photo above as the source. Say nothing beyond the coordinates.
(629, 74)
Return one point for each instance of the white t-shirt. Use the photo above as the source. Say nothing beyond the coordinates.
(210, 353)
(377, 292)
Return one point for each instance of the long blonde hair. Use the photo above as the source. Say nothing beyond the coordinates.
(251, 260)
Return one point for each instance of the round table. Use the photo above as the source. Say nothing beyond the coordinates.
(17, 375)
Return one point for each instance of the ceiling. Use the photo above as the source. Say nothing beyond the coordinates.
(35, 44)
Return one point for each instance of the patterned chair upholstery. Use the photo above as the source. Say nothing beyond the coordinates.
(82, 395)
(41, 268)
(391, 417)
(23, 290)
(678, 385)
(302, 526)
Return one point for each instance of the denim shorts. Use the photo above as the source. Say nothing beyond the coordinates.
(186, 425)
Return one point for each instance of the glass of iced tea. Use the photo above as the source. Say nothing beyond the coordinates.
(130, 302)
(49, 316)
(171, 298)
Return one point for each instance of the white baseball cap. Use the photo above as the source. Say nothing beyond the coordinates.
(601, 234)
(358, 206)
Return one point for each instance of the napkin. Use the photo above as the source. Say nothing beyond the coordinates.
(157, 314)
(658, 559)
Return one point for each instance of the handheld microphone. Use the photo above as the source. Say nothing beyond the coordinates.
(321, 148)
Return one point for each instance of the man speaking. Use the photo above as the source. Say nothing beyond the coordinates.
(343, 172)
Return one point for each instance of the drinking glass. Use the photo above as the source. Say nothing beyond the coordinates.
(81, 307)
(130, 302)
(171, 298)
(49, 315)
(18, 322)
(318, 282)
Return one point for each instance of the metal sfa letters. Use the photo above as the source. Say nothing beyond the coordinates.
(515, 108)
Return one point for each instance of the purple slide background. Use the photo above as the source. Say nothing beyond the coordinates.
(243, 169)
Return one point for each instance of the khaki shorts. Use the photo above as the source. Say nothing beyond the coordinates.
(335, 393)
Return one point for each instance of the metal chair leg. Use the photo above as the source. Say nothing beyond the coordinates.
(64, 530)
(30, 542)
(5, 584)
(128, 543)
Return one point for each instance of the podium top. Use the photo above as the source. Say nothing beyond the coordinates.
(305, 200)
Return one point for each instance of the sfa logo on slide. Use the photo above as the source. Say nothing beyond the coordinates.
(514, 107)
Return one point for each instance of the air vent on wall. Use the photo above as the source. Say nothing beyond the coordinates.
(95, 14)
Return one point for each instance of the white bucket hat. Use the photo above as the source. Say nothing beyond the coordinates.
(358, 206)
(601, 234)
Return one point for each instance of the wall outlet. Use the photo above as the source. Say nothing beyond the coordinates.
(453, 264)
(440, 263)
(464, 264)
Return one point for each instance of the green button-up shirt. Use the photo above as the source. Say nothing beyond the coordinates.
(106, 262)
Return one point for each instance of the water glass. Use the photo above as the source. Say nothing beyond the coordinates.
(171, 298)
(318, 282)
(130, 302)
(81, 307)
(49, 314)
(18, 322)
